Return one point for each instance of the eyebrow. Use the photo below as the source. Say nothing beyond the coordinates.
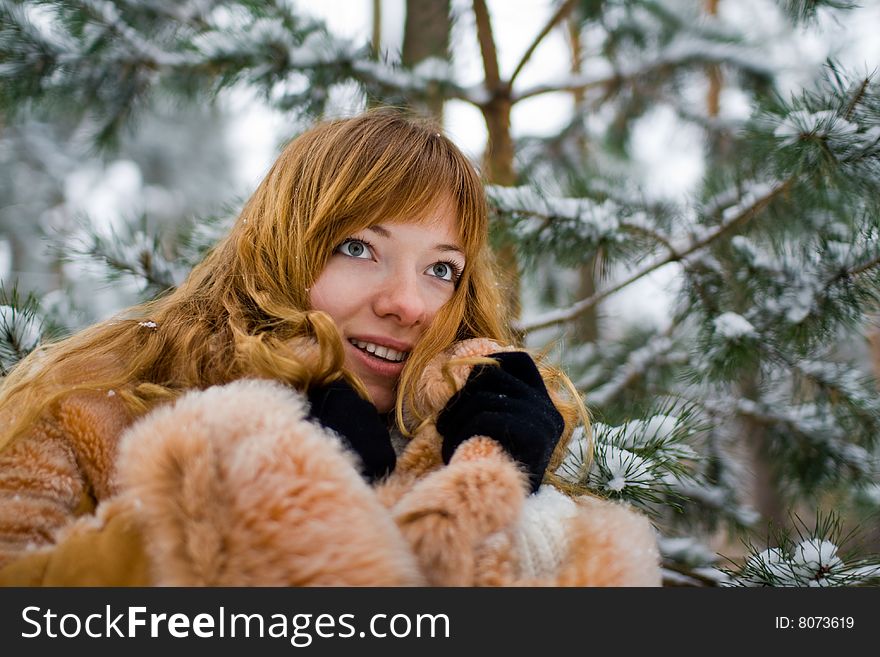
(379, 230)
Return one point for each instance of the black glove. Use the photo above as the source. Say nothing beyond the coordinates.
(337, 406)
(510, 404)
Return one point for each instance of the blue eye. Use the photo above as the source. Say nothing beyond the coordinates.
(355, 249)
(446, 271)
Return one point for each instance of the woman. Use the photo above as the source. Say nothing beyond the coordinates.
(360, 258)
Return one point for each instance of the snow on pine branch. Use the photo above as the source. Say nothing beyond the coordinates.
(830, 131)
(270, 47)
(843, 381)
(809, 292)
(811, 563)
(844, 138)
(137, 255)
(309, 47)
(803, 123)
(731, 326)
(684, 50)
(815, 558)
(107, 13)
(804, 11)
(637, 461)
(733, 206)
(569, 228)
(534, 211)
(721, 500)
(21, 328)
(734, 218)
(418, 80)
(808, 429)
(659, 350)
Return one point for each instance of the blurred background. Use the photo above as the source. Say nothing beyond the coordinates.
(684, 200)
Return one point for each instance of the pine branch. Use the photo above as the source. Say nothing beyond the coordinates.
(592, 220)
(135, 254)
(740, 217)
(635, 367)
(856, 460)
(857, 97)
(718, 500)
(189, 12)
(563, 11)
(412, 84)
(675, 574)
(862, 404)
(799, 301)
(813, 558)
(858, 269)
(21, 327)
(652, 67)
(804, 11)
(639, 461)
(648, 231)
(109, 70)
(145, 53)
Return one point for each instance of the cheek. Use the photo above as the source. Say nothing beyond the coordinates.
(328, 292)
(436, 303)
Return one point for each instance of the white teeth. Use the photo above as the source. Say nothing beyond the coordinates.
(385, 353)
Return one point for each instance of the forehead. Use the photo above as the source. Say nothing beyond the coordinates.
(437, 231)
(440, 219)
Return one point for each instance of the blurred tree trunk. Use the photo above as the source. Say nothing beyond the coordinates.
(765, 494)
(586, 329)
(498, 158)
(425, 36)
(719, 143)
(376, 41)
(873, 336)
(713, 96)
(376, 44)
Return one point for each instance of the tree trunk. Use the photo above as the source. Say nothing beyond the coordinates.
(764, 494)
(719, 144)
(426, 35)
(713, 96)
(873, 336)
(498, 157)
(586, 328)
(376, 42)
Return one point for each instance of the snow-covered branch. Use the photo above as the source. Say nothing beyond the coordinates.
(817, 428)
(146, 53)
(638, 361)
(21, 328)
(733, 219)
(678, 53)
(563, 10)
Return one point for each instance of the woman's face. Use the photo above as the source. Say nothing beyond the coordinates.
(383, 286)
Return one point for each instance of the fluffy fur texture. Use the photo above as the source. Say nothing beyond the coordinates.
(58, 471)
(236, 487)
(471, 523)
(233, 486)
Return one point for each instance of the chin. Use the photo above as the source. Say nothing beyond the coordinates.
(383, 399)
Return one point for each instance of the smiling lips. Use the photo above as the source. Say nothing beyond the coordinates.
(379, 351)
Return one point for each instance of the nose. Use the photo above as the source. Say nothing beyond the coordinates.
(400, 299)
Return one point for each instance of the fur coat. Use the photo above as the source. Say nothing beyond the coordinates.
(234, 486)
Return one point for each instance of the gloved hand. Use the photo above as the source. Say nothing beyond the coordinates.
(337, 406)
(510, 404)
